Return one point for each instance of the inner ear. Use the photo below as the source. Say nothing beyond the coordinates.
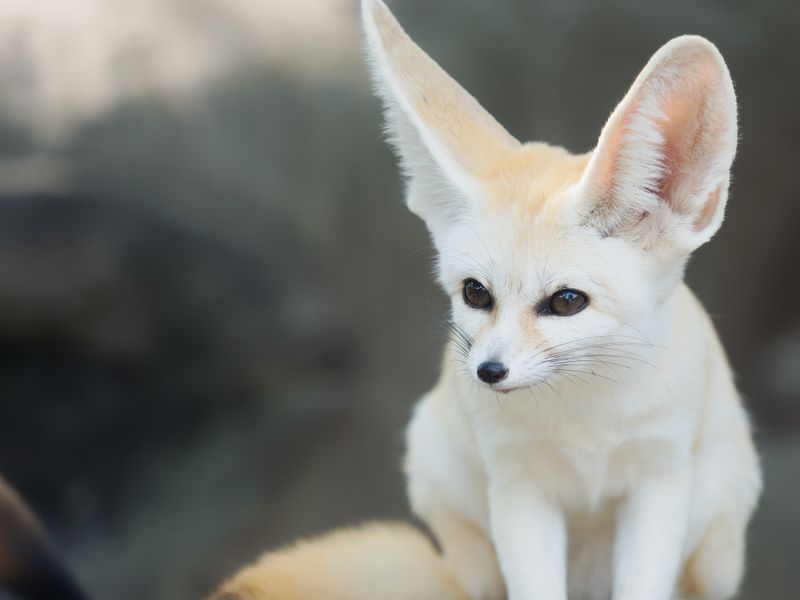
(694, 138)
(661, 167)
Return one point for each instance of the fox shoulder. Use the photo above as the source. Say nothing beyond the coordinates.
(381, 560)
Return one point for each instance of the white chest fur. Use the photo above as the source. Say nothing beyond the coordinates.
(586, 451)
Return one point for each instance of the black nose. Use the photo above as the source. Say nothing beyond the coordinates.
(492, 372)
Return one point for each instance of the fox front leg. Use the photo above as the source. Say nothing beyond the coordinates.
(529, 534)
(651, 531)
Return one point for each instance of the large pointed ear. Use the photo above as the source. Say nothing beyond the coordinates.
(661, 168)
(443, 137)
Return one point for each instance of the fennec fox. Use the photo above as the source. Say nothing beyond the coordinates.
(585, 438)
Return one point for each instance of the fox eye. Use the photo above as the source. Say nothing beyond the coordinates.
(476, 295)
(565, 303)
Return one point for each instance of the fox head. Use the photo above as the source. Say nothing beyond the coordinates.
(558, 263)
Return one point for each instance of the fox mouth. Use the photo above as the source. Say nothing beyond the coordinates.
(505, 389)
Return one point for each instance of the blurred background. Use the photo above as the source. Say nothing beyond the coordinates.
(215, 310)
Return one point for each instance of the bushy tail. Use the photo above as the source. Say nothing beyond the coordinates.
(381, 561)
(29, 567)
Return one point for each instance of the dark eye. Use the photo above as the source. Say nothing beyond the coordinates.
(565, 303)
(476, 295)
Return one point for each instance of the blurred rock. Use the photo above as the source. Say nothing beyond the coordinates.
(779, 377)
(121, 334)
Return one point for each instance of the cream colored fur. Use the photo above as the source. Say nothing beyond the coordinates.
(374, 562)
(615, 460)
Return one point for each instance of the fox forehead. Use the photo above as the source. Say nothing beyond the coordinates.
(523, 218)
(527, 242)
(531, 179)
(527, 238)
(518, 250)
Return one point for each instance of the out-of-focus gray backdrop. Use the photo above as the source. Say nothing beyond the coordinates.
(215, 310)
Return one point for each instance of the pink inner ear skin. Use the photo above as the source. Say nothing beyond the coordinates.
(689, 139)
(709, 210)
(671, 144)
